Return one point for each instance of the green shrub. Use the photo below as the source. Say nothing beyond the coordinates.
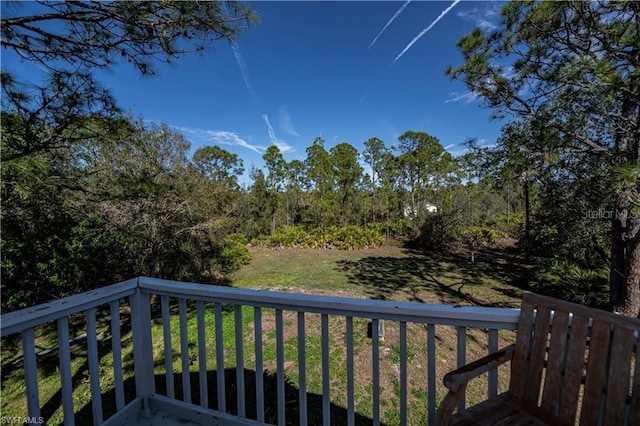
(234, 253)
(344, 238)
(438, 232)
(478, 236)
(566, 280)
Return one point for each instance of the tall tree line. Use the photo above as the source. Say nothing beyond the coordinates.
(331, 187)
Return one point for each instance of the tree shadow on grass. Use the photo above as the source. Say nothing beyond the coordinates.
(448, 276)
(292, 406)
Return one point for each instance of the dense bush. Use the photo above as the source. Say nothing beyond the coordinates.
(333, 237)
(437, 233)
(234, 253)
(568, 281)
(441, 231)
(478, 236)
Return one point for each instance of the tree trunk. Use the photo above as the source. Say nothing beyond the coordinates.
(273, 222)
(527, 222)
(625, 226)
(625, 259)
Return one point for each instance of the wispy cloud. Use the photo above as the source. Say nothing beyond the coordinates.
(466, 97)
(286, 125)
(393, 18)
(282, 145)
(244, 71)
(363, 97)
(484, 16)
(218, 137)
(423, 32)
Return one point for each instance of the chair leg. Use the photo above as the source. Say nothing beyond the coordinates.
(448, 405)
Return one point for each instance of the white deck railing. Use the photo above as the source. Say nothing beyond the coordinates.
(276, 311)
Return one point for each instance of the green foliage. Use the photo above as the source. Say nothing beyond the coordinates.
(129, 204)
(568, 281)
(575, 138)
(333, 237)
(479, 236)
(234, 253)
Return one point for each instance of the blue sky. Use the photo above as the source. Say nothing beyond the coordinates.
(310, 69)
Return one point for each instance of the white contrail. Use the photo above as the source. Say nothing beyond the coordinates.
(393, 18)
(282, 145)
(243, 70)
(423, 32)
(363, 97)
(285, 122)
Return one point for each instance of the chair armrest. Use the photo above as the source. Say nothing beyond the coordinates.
(455, 379)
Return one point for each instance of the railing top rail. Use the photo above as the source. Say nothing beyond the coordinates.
(23, 319)
(382, 309)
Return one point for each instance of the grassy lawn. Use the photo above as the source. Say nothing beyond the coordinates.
(389, 272)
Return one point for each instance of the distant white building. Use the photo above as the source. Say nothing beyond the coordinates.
(426, 207)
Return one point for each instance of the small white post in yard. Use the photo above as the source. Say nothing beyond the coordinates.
(380, 330)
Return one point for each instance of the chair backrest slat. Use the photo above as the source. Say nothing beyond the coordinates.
(557, 363)
(596, 371)
(574, 370)
(619, 373)
(538, 356)
(519, 362)
(634, 412)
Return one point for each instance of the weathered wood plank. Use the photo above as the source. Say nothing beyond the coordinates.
(520, 357)
(553, 379)
(634, 412)
(538, 353)
(596, 371)
(574, 369)
(618, 375)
